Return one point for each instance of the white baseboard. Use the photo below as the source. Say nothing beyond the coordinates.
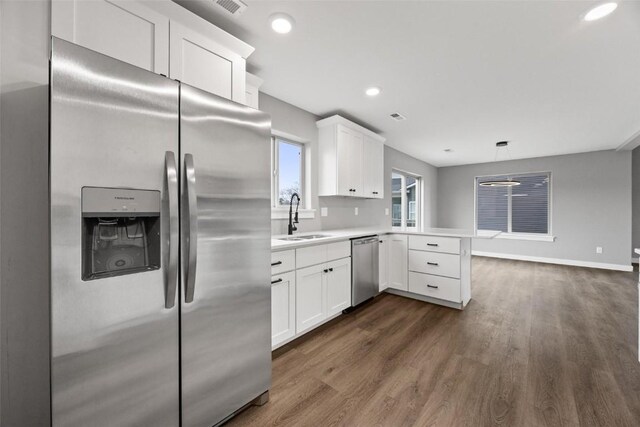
(603, 265)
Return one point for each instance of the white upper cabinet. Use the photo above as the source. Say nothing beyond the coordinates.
(126, 30)
(160, 36)
(349, 162)
(351, 159)
(200, 61)
(373, 168)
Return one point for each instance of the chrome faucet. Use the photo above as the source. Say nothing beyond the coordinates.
(293, 220)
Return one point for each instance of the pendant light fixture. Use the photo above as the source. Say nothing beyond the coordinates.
(501, 182)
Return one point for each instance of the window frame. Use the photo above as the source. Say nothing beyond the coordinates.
(275, 171)
(548, 236)
(404, 206)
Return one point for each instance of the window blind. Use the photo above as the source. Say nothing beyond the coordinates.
(522, 208)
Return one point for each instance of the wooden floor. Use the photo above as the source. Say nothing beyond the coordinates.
(538, 345)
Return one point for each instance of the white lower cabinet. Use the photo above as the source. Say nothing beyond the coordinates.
(398, 262)
(322, 291)
(445, 288)
(283, 307)
(309, 297)
(383, 263)
(309, 286)
(338, 285)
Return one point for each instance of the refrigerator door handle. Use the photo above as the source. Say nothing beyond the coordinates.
(191, 227)
(171, 271)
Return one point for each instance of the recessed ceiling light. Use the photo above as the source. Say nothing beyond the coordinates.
(373, 91)
(281, 23)
(600, 11)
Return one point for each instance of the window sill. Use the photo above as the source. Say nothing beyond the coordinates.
(531, 237)
(283, 213)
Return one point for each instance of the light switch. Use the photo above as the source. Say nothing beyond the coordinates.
(386, 211)
(356, 211)
(324, 211)
(598, 249)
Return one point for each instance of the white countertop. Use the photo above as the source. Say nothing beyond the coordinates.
(351, 233)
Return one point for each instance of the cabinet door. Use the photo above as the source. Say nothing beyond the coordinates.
(344, 152)
(383, 262)
(125, 30)
(398, 262)
(202, 62)
(356, 164)
(310, 297)
(338, 286)
(373, 155)
(283, 308)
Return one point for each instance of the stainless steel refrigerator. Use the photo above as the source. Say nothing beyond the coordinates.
(160, 242)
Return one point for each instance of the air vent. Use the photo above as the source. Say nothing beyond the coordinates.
(398, 117)
(234, 7)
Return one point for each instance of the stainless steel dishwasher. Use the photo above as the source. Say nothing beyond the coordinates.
(364, 269)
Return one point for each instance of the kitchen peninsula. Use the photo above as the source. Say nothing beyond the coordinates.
(311, 272)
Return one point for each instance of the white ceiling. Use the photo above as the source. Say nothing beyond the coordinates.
(465, 73)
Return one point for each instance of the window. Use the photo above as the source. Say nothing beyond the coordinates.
(405, 200)
(288, 171)
(519, 209)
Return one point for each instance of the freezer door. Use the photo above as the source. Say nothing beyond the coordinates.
(115, 339)
(226, 231)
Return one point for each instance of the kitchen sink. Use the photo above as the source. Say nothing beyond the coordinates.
(302, 238)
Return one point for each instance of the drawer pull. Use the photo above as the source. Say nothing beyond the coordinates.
(432, 263)
(325, 270)
(431, 286)
(273, 264)
(331, 269)
(432, 244)
(273, 282)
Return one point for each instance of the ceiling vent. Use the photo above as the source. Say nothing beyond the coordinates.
(233, 7)
(398, 117)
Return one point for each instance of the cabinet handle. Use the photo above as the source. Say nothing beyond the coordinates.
(432, 244)
(381, 241)
(273, 282)
(273, 264)
(432, 263)
(331, 269)
(431, 286)
(325, 270)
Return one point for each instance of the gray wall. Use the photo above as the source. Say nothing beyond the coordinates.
(341, 210)
(24, 213)
(635, 198)
(591, 205)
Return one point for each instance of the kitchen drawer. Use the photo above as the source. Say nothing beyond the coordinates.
(338, 250)
(283, 261)
(435, 263)
(450, 245)
(440, 287)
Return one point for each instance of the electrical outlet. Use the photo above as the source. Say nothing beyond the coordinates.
(598, 249)
(386, 211)
(356, 211)
(324, 211)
